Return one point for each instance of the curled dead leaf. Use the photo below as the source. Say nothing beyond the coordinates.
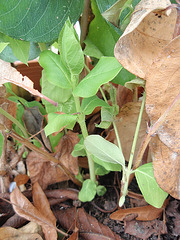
(9, 107)
(145, 36)
(39, 213)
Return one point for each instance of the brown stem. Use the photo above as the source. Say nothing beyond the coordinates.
(84, 21)
(45, 154)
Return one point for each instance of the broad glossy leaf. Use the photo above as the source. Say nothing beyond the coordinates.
(56, 72)
(105, 70)
(88, 191)
(1, 143)
(70, 49)
(104, 150)
(89, 104)
(37, 21)
(151, 191)
(58, 121)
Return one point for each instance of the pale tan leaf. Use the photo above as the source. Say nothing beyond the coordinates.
(162, 86)
(43, 171)
(148, 32)
(166, 164)
(126, 122)
(10, 74)
(9, 233)
(64, 150)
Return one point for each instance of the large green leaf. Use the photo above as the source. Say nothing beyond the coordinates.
(1, 143)
(55, 93)
(70, 49)
(89, 104)
(101, 34)
(105, 70)
(20, 48)
(37, 21)
(58, 121)
(55, 70)
(104, 150)
(88, 191)
(150, 189)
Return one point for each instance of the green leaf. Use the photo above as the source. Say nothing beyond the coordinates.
(89, 104)
(104, 150)
(79, 149)
(91, 49)
(8, 56)
(112, 14)
(1, 143)
(101, 34)
(20, 48)
(56, 72)
(70, 49)
(109, 166)
(88, 191)
(150, 189)
(58, 94)
(3, 45)
(103, 124)
(123, 77)
(58, 121)
(135, 83)
(37, 21)
(105, 70)
(100, 170)
(101, 190)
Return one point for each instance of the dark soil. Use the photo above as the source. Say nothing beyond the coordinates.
(110, 200)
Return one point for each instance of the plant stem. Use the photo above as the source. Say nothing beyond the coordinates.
(82, 124)
(84, 22)
(42, 46)
(127, 172)
(15, 121)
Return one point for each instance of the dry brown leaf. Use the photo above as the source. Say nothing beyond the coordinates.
(10, 74)
(41, 203)
(89, 227)
(145, 213)
(166, 167)
(9, 107)
(149, 31)
(143, 230)
(9, 233)
(43, 171)
(126, 122)
(25, 209)
(64, 150)
(162, 86)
